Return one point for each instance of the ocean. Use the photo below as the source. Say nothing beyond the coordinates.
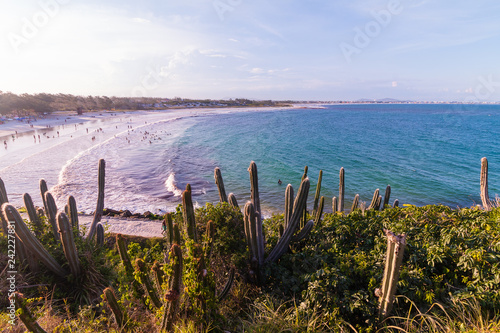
(427, 153)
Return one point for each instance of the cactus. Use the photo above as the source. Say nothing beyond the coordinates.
(288, 204)
(127, 264)
(252, 235)
(319, 212)
(304, 175)
(210, 239)
(227, 287)
(169, 228)
(304, 213)
(188, 214)
(298, 208)
(25, 314)
(3, 199)
(220, 185)
(485, 198)
(173, 294)
(158, 274)
(100, 199)
(387, 196)
(68, 243)
(32, 214)
(341, 190)
(395, 204)
(100, 234)
(120, 315)
(255, 198)
(51, 211)
(73, 213)
(378, 203)
(43, 190)
(30, 241)
(335, 205)
(355, 203)
(232, 200)
(3, 193)
(317, 194)
(394, 258)
(122, 250)
(141, 271)
(373, 204)
(254, 188)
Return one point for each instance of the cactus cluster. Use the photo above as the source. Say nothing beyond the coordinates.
(30, 249)
(295, 227)
(151, 282)
(375, 204)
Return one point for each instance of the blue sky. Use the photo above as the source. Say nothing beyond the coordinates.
(295, 49)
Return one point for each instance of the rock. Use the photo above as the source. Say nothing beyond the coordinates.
(126, 213)
(110, 212)
(147, 214)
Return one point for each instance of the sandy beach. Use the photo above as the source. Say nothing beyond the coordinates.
(42, 148)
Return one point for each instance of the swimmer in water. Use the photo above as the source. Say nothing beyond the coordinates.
(279, 182)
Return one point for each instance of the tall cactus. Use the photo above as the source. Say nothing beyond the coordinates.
(122, 250)
(394, 258)
(100, 234)
(119, 313)
(317, 194)
(51, 211)
(341, 190)
(100, 199)
(3, 199)
(255, 198)
(254, 237)
(288, 204)
(387, 196)
(335, 205)
(188, 213)
(68, 243)
(232, 200)
(298, 207)
(32, 214)
(73, 212)
(485, 198)
(173, 294)
(43, 190)
(220, 185)
(142, 272)
(30, 241)
(169, 228)
(373, 204)
(355, 203)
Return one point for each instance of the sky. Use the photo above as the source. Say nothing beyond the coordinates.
(440, 50)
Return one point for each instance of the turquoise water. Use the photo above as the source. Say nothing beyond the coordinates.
(427, 153)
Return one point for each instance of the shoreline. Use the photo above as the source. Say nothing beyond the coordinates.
(45, 159)
(60, 118)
